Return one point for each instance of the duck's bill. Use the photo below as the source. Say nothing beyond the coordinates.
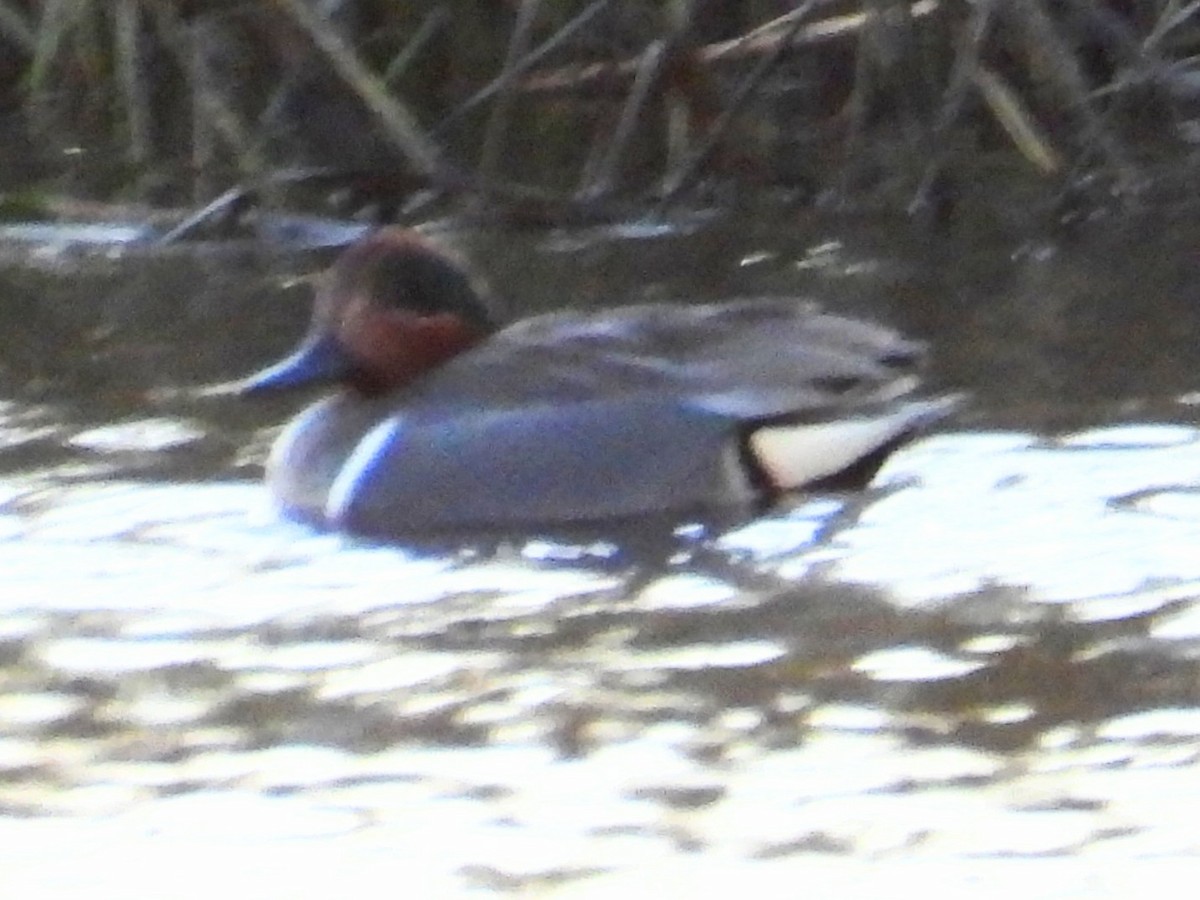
(319, 360)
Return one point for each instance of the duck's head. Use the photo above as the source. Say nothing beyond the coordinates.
(393, 306)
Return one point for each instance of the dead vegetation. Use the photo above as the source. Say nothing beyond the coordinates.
(545, 109)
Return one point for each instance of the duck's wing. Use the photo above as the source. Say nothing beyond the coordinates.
(766, 357)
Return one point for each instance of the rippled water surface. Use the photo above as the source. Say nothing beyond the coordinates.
(978, 676)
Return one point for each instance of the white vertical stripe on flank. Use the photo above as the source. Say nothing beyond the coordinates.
(372, 448)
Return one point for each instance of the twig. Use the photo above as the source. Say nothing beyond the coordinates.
(1014, 118)
(430, 25)
(127, 37)
(210, 114)
(1172, 17)
(648, 76)
(762, 39)
(1052, 58)
(966, 61)
(685, 174)
(400, 125)
(497, 126)
(509, 75)
(55, 22)
(15, 27)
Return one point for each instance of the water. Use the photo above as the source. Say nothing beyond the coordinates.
(979, 675)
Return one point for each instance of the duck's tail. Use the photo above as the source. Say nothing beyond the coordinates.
(840, 453)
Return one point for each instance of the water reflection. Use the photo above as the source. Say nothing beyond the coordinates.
(1065, 518)
(988, 656)
(179, 660)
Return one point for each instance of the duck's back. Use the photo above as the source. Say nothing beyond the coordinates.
(787, 354)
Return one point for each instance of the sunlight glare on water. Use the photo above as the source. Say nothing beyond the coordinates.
(976, 678)
(1054, 516)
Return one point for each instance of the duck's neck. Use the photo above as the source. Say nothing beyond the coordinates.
(411, 347)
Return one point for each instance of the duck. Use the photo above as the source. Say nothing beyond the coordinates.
(443, 419)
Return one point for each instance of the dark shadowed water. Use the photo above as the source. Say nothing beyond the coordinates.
(980, 676)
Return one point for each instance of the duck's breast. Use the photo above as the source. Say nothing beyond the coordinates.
(312, 450)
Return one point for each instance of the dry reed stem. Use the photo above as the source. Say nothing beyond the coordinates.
(399, 124)
(17, 29)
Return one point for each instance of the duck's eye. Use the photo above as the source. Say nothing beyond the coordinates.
(900, 359)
